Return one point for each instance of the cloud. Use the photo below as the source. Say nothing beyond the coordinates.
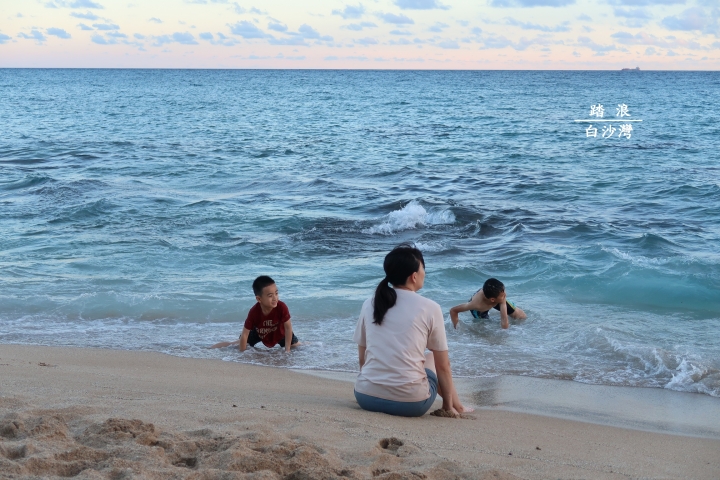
(100, 40)
(438, 27)
(395, 19)
(633, 13)
(105, 26)
(277, 26)
(283, 57)
(221, 39)
(306, 31)
(563, 27)
(85, 4)
(184, 38)
(295, 40)
(420, 5)
(636, 17)
(359, 26)
(366, 41)
(644, 3)
(139, 36)
(84, 27)
(584, 18)
(225, 41)
(400, 32)
(58, 32)
(595, 47)
(4, 38)
(448, 44)
(247, 30)
(155, 20)
(476, 30)
(496, 42)
(116, 35)
(351, 11)
(50, 5)
(331, 58)
(643, 38)
(34, 35)
(691, 19)
(531, 3)
(85, 16)
(650, 51)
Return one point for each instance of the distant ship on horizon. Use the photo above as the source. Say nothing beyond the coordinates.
(631, 69)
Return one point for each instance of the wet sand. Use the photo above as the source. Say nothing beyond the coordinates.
(117, 414)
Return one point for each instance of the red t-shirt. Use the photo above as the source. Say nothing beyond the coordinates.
(269, 327)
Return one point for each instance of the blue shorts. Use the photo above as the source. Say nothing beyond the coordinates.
(510, 310)
(401, 409)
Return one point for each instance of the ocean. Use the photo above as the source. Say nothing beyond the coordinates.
(137, 206)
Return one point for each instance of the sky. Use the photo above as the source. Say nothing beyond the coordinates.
(365, 34)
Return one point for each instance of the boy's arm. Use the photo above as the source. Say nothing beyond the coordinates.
(244, 339)
(464, 307)
(504, 322)
(288, 336)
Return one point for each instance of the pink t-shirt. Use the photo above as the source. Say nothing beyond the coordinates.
(394, 366)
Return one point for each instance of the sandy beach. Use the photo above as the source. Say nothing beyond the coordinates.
(120, 414)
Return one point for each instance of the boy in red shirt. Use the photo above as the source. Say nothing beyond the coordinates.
(268, 321)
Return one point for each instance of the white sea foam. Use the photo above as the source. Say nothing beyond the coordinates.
(431, 247)
(637, 260)
(411, 216)
(689, 376)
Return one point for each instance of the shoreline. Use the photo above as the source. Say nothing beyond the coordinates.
(252, 409)
(636, 408)
(645, 409)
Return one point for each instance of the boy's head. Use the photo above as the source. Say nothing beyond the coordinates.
(492, 288)
(265, 291)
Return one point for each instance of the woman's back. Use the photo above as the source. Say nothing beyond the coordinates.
(394, 367)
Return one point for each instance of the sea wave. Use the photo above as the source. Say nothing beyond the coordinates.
(411, 216)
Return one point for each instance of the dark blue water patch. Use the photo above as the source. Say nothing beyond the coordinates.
(27, 182)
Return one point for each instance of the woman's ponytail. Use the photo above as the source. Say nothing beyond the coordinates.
(399, 264)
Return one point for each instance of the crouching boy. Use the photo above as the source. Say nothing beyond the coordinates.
(268, 321)
(492, 295)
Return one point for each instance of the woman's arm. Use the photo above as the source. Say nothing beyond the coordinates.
(446, 389)
(361, 355)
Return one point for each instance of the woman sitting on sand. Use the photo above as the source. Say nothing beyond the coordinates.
(395, 327)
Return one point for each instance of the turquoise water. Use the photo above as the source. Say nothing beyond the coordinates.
(137, 206)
